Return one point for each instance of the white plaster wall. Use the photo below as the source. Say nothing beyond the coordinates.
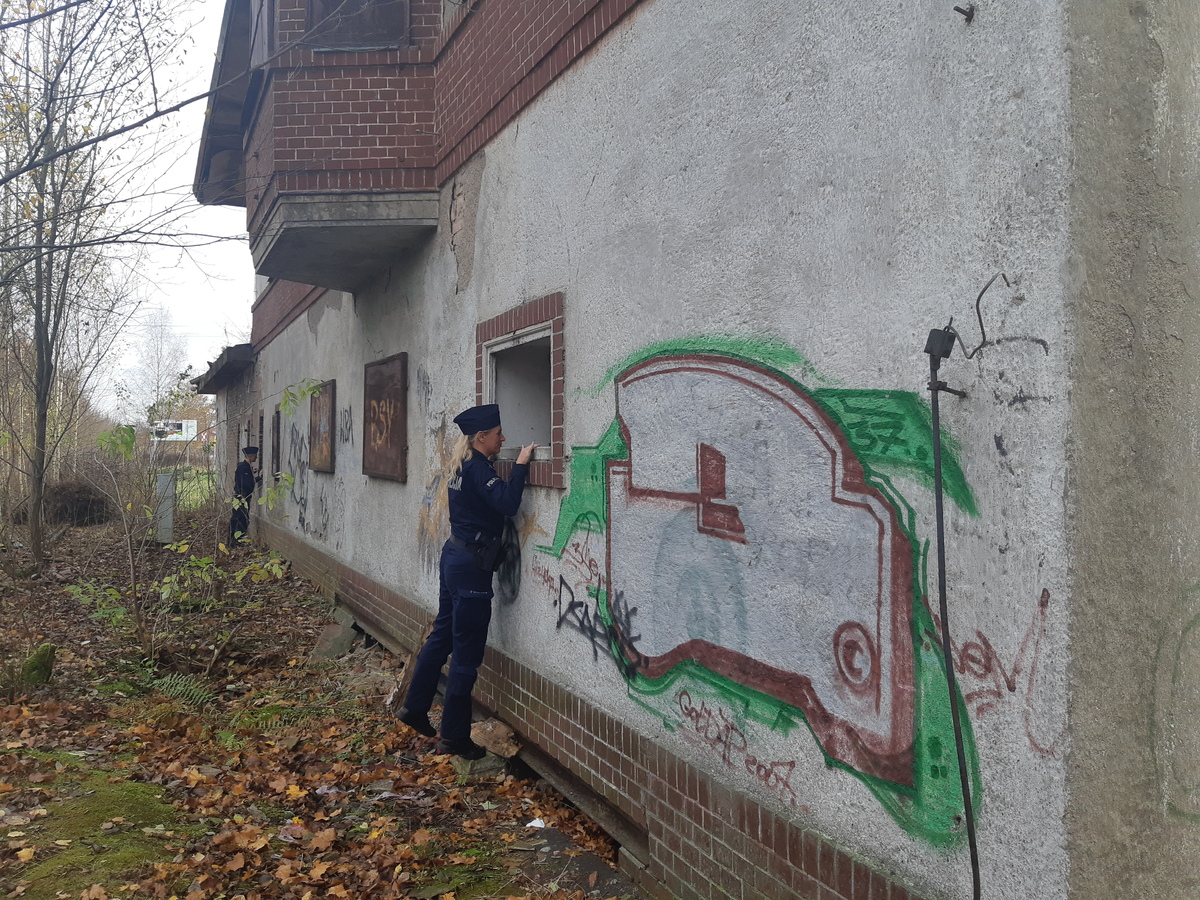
(838, 178)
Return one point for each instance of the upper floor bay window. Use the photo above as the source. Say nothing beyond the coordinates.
(359, 24)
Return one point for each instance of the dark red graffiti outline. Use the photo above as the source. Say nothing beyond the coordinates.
(889, 756)
(851, 642)
(979, 660)
(718, 519)
(717, 731)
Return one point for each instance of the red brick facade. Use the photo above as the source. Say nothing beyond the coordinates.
(279, 304)
(684, 834)
(502, 57)
(405, 119)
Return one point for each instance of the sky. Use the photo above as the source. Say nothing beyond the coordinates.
(209, 290)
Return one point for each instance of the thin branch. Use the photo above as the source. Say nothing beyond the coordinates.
(157, 114)
(17, 23)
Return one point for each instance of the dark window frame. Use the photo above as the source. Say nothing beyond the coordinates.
(367, 25)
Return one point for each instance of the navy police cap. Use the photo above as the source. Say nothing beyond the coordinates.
(478, 418)
(248, 451)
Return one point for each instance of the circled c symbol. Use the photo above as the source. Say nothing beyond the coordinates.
(857, 657)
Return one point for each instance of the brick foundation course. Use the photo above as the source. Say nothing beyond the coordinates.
(684, 835)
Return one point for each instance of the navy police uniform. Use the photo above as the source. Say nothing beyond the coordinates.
(244, 482)
(479, 502)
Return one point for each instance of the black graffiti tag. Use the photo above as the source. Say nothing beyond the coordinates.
(617, 641)
(578, 616)
(345, 425)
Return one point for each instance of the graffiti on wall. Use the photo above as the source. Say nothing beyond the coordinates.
(988, 682)
(313, 508)
(752, 570)
(574, 586)
(508, 575)
(297, 463)
(717, 729)
(345, 425)
(785, 572)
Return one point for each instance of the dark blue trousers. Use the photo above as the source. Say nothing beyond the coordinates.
(239, 521)
(459, 632)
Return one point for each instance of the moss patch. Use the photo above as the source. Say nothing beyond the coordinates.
(111, 830)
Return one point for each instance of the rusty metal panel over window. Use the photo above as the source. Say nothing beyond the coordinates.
(385, 418)
(320, 428)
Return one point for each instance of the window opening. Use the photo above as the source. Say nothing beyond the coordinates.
(520, 364)
(521, 384)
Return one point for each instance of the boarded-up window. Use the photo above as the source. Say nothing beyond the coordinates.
(320, 428)
(276, 438)
(358, 24)
(385, 418)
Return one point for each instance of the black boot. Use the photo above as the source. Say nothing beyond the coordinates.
(417, 721)
(464, 747)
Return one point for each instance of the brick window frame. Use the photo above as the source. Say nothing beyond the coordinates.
(544, 312)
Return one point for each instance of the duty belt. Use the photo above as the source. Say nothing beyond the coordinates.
(465, 545)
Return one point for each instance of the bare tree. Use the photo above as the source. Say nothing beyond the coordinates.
(82, 104)
(151, 388)
(72, 226)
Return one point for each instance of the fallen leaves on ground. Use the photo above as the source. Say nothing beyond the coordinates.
(293, 781)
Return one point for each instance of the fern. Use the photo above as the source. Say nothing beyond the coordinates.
(186, 688)
(275, 715)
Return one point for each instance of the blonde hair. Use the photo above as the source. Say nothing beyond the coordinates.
(460, 454)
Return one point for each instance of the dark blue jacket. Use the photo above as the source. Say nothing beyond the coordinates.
(480, 500)
(244, 481)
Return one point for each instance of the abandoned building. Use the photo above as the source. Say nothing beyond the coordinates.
(695, 251)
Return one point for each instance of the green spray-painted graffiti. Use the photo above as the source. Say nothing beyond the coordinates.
(764, 351)
(889, 432)
(586, 503)
(892, 432)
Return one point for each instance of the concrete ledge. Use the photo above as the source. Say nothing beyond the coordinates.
(339, 240)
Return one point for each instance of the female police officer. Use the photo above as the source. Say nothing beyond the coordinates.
(479, 502)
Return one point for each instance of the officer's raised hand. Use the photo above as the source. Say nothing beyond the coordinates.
(525, 454)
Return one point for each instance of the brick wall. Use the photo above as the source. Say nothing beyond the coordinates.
(439, 99)
(404, 119)
(259, 160)
(280, 303)
(503, 56)
(687, 835)
(352, 127)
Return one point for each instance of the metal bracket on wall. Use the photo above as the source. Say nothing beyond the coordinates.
(968, 13)
(983, 339)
